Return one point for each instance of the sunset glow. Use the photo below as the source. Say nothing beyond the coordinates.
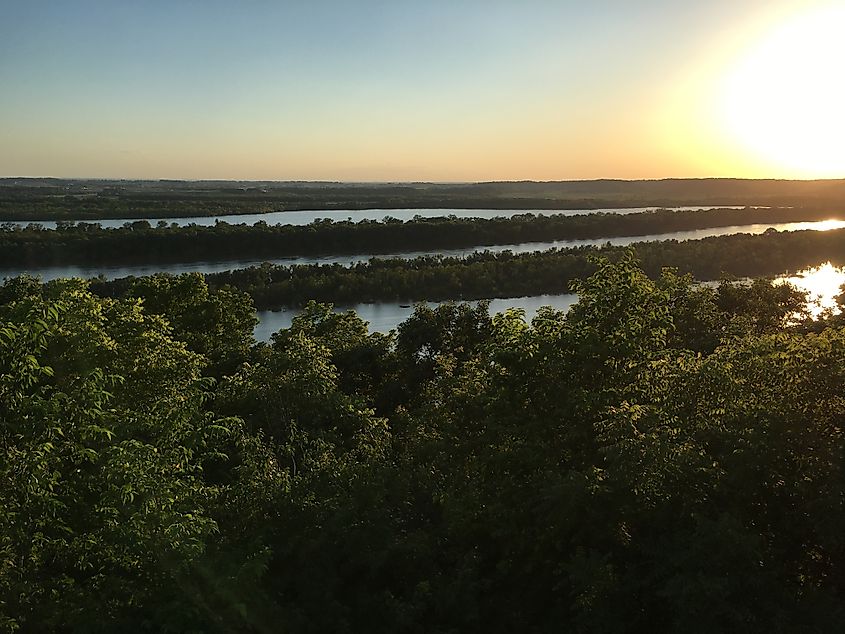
(784, 98)
(407, 91)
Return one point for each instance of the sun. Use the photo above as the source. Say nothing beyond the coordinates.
(784, 100)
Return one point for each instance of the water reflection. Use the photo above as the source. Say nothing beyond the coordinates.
(822, 284)
(819, 225)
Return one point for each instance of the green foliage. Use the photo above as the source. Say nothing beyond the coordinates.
(363, 361)
(217, 325)
(105, 444)
(761, 306)
(666, 457)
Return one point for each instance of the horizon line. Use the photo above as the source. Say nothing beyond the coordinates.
(418, 182)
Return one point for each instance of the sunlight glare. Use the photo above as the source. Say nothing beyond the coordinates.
(819, 225)
(785, 97)
(822, 284)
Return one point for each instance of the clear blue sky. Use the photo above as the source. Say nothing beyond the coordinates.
(372, 90)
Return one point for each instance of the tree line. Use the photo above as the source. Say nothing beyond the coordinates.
(63, 199)
(487, 275)
(140, 242)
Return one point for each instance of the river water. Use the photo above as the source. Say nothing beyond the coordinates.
(821, 283)
(205, 267)
(339, 215)
(385, 316)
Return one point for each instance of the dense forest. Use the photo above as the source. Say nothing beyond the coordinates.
(665, 457)
(139, 242)
(58, 199)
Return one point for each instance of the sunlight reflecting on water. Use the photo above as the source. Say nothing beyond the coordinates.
(819, 225)
(822, 283)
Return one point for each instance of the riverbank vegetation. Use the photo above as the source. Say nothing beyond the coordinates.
(488, 275)
(665, 457)
(139, 242)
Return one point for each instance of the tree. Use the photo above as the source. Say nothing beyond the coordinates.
(105, 454)
(218, 325)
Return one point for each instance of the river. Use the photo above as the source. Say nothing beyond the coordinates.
(822, 284)
(339, 215)
(205, 267)
(385, 316)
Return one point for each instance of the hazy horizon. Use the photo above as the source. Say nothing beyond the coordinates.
(391, 92)
(413, 182)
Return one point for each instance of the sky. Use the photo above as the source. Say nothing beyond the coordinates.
(441, 90)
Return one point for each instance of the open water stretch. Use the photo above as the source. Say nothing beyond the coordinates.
(356, 215)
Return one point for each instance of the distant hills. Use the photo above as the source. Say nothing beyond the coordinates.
(41, 198)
